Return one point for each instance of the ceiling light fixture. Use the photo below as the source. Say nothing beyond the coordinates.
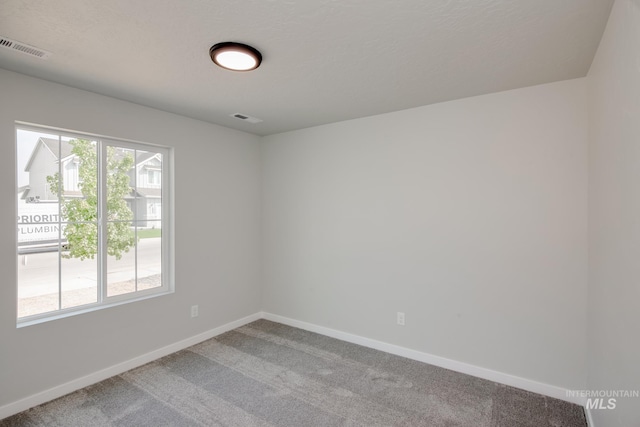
(235, 56)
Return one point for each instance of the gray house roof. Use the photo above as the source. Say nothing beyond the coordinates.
(53, 145)
(144, 156)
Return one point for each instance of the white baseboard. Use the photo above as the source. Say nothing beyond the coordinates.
(465, 368)
(71, 386)
(587, 413)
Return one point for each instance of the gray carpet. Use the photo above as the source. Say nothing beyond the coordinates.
(268, 374)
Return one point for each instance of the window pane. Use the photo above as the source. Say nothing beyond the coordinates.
(120, 177)
(135, 258)
(149, 255)
(79, 276)
(37, 281)
(148, 188)
(39, 228)
(37, 158)
(148, 216)
(121, 205)
(79, 215)
(121, 262)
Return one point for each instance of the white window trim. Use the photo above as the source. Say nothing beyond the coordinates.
(167, 224)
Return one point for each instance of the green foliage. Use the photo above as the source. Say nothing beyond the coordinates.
(149, 233)
(54, 181)
(81, 214)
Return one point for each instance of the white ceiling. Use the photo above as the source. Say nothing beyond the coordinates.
(324, 60)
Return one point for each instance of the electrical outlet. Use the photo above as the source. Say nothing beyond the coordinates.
(400, 318)
(194, 311)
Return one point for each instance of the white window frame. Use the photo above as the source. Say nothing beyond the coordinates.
(166, 221)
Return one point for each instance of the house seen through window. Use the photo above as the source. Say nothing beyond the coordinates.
(92, 222)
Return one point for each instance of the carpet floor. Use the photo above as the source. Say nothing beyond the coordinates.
(268, 374)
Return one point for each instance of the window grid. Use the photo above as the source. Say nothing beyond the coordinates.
(102, 224)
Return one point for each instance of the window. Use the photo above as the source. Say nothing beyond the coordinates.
(71, 175)
(154, 177)
(87, 237)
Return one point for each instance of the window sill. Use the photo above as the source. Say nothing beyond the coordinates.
(37, 319)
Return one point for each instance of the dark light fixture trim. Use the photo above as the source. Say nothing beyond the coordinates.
(243, 57)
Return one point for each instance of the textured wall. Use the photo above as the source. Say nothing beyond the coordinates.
(469, 216)
(217, 247)
(614, 215)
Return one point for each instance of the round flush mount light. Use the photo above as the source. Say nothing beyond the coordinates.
(235, 56)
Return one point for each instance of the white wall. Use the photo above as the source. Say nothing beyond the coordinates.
(217, 245)
(614, 215)
(469, 216)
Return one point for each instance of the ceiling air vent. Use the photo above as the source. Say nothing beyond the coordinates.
(24, 48)
(246, 118)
